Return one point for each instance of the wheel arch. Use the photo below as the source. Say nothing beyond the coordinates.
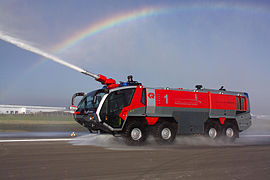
(216, 120)
(232, 121)
(168, 119)
(128, 130)
(134, 119)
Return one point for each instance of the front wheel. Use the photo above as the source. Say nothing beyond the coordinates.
(165, 132)
(135, 133)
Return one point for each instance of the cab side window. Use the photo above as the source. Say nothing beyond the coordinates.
(120, 99)
(117, 101)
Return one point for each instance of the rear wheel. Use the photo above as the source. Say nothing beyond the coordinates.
(135, 133)
(165, 132)
(230, 132)
(212, 129)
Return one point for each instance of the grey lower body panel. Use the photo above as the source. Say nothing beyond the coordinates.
(168, 111)
(216, 113)
(190, 122)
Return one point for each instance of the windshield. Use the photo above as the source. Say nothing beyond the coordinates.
(87, 101)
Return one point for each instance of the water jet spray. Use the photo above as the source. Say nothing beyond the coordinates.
(19, 43)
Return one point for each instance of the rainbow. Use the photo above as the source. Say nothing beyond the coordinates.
(108, 23)
(120, 19)
(99, 27)
(130, 16)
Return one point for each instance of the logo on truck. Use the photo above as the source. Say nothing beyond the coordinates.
(151, 95)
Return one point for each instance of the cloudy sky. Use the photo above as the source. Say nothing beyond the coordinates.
(175, 44)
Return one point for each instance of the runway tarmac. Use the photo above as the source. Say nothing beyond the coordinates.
(89, 156)
(79, 158)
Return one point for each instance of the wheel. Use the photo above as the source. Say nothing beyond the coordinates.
(230, 132)
(135, 133)
(165, 132)
(212, 129)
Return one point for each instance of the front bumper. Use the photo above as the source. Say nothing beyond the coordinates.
(91, 122)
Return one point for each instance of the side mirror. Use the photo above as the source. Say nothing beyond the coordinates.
(75, 95)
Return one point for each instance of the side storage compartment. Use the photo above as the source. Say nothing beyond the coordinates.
(190, 122)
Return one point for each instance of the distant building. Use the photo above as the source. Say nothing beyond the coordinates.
(18, 109)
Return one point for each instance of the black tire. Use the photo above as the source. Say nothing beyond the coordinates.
(230, 132)
(212, 129)
(165, 132)
(135, 133)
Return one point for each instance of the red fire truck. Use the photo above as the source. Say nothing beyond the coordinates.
(133, 111)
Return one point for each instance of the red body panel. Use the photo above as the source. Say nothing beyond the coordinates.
(183, 99)
(188, 99)
(223, 101)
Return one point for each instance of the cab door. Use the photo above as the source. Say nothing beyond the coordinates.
(113, 106)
